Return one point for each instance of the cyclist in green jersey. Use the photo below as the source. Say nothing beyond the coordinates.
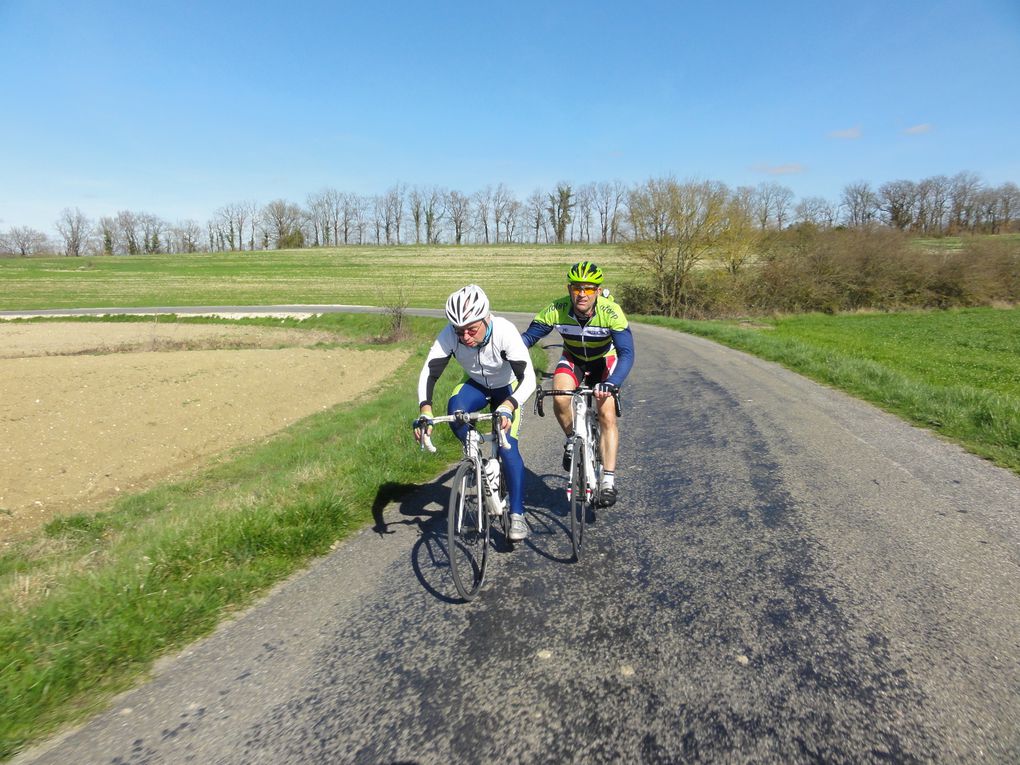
(598, 349)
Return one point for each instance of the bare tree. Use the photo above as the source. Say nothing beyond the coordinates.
(228, 223)
(252, 215)
(536, 213)
(502, 199)
(152, 232)
(352, 220)
(933, 204)
(76, 231)
(435, 211)
(818, 211)
(459, 206)
(860, 204)
(511, 216)
(25, 241)
(986, 211)
(129, 234)
(108, 232)
(378, 207)
(897, 200)
(963, 192)
(282, 221)
(240, 212)
(318, 210)
(771, 204)
(394, 214)
(762, 204)
(359, 207)
(584, 205)
(332, 201)
(416, 206)
(185, 236)
(608, 199)
(782, 205)
(1009, 205)
(482, 206)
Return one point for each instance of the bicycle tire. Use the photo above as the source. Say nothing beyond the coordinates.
(578, 490)
(467, 542)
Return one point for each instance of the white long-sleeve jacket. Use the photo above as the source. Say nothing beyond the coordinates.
(500, 361)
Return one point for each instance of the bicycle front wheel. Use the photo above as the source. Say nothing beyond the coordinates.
(578, 492)
(467, 532)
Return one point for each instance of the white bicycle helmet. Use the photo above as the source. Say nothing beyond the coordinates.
(467, 305)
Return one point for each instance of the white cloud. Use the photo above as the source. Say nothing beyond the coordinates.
(850, 134)
(918, 129)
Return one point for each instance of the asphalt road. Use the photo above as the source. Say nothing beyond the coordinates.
(789, 576)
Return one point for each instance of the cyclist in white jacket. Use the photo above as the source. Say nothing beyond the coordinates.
(499, 373)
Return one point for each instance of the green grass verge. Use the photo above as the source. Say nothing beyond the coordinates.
(516, 277)
(92, 600)
(956, 372)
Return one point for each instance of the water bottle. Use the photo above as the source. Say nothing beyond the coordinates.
(491, 488)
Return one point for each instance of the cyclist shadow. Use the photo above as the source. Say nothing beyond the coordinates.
(548, 515)
(416, 504)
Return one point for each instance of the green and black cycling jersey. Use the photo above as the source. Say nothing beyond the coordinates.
(588, 339)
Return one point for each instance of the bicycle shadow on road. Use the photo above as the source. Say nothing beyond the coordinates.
(547, 513)
(422, 506)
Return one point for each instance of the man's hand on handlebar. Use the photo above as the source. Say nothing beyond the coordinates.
(604, 390)
(506, 417)
(423, 425)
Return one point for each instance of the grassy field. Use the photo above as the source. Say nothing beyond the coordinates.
(956, 372)
(516, 278)
(955, 243)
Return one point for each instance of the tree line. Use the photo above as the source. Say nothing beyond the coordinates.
(604, 212)
(707, 251)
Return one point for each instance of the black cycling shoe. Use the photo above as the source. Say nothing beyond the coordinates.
(568, 454)
(607, 497)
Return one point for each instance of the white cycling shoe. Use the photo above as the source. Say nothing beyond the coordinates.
(518, 527)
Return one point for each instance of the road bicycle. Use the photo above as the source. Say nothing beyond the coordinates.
(478, 498)
(585, 483)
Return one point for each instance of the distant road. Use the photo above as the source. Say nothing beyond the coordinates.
(790, 576)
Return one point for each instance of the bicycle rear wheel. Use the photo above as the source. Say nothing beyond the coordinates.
(578, 492)
(467, 532)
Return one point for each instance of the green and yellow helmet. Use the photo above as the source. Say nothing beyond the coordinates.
(585, 272)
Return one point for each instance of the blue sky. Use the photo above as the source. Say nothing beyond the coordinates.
(179, 108)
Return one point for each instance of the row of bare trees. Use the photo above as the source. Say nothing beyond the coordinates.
(936, 205)
(607, 212)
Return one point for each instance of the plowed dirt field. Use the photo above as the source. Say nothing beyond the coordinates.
(91, 410)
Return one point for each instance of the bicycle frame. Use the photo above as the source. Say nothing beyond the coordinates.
(584, 476)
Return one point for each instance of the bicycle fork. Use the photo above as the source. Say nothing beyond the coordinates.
(587, 467)
(462, 500)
